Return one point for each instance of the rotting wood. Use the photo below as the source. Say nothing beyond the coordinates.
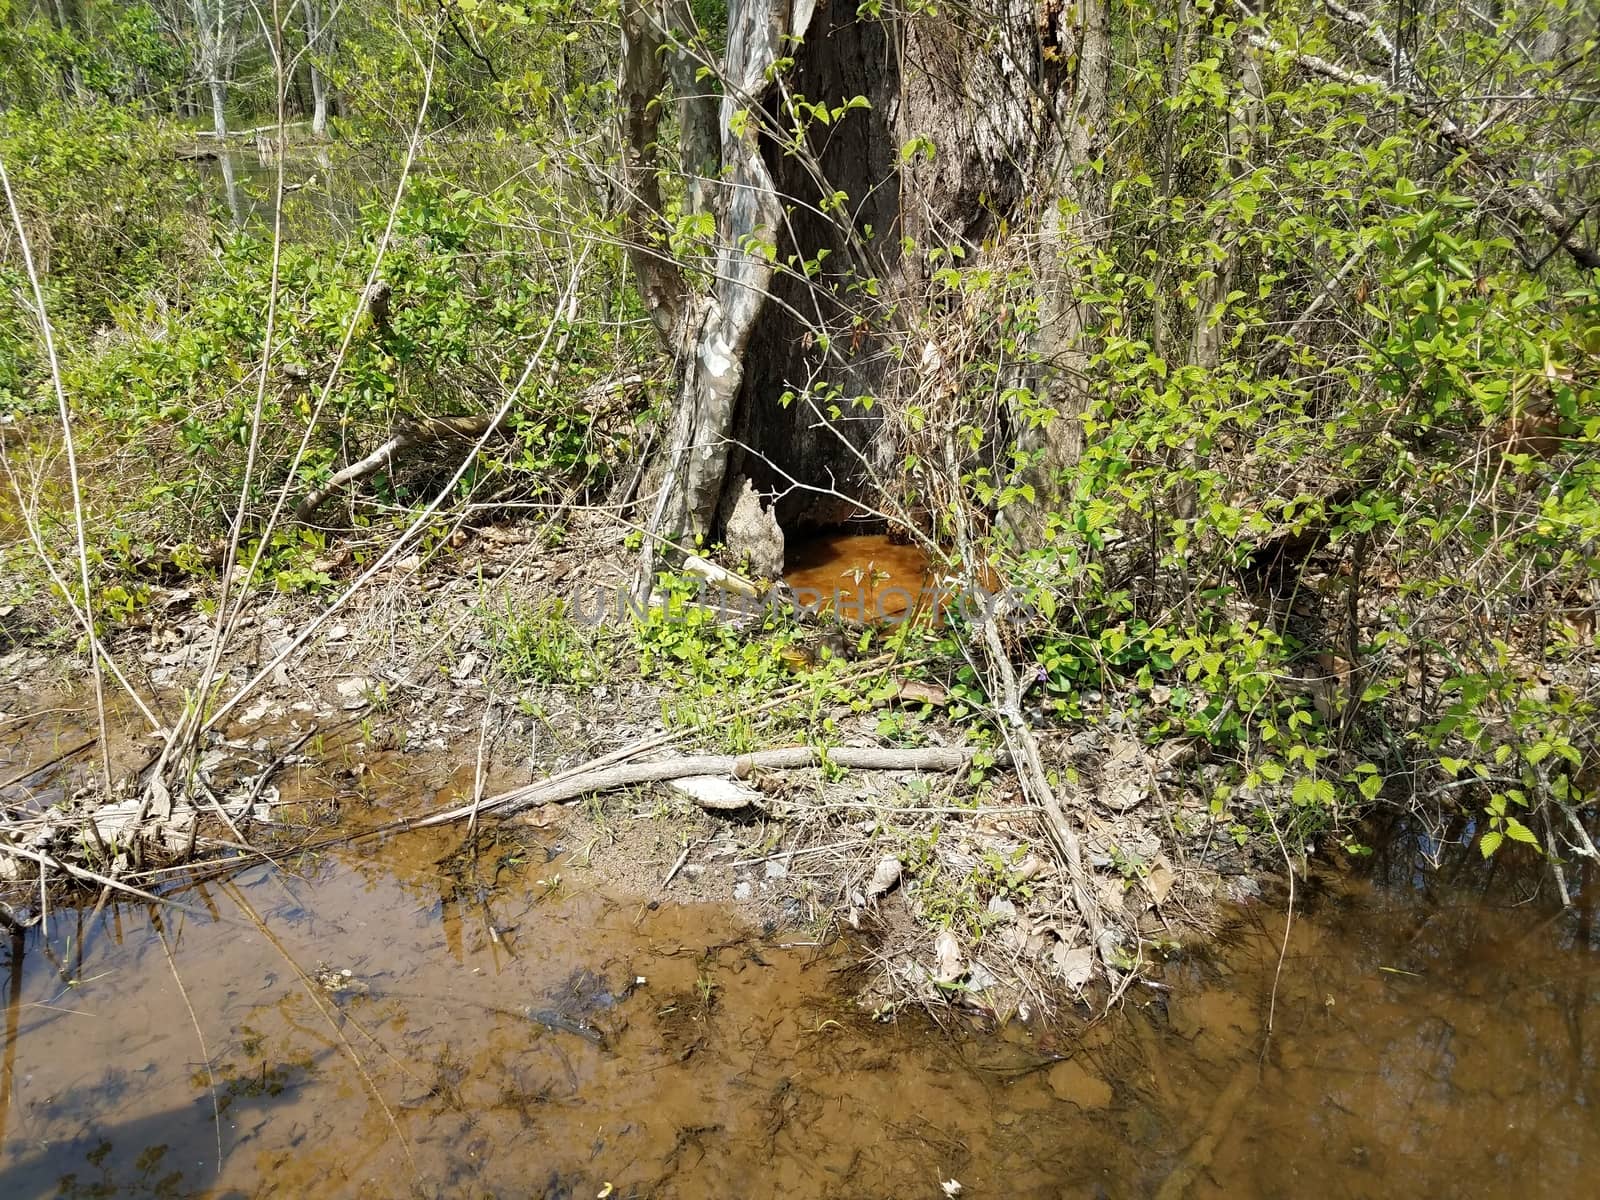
(739, 766)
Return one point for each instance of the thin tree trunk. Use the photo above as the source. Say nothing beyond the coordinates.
(230, 185)
(219, 112)
(710, 329)
(319, 42)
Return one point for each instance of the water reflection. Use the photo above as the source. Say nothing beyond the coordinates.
(324, 188)
(1423, 1040)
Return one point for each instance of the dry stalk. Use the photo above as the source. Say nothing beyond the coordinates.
(47, 332)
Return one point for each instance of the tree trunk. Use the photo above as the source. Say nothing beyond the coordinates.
(820, 269)
(319, 40)
(219, 112)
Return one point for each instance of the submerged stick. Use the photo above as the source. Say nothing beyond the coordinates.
(28, 773)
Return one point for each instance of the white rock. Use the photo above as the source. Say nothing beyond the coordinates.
(715, 793)
(353, 690)
(980, 978)
(1000, 907)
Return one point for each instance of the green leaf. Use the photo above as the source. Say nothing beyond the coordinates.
(1490, 842)
(1518, 832)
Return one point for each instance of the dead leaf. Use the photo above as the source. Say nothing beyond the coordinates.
(542, 817)
(914, 691)
(947, 954)
(884, 877)
(1075, 964)
(1125, 776)
(498, 536)
(1159, 881)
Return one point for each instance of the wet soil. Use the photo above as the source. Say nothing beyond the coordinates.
(416, 1016)
(533, 1012)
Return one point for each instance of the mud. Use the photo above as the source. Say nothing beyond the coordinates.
(418, 1015)
(534, 1010)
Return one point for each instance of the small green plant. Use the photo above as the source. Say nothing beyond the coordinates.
(540, 643)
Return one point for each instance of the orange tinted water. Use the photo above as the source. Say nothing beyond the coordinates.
(861, 576)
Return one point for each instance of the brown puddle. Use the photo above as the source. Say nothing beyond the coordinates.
(492, 1038)
(864, 577)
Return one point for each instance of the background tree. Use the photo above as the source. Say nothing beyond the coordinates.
(318, 24)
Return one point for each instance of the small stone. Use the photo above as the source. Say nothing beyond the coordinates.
(742, 890)
(1242, 889)
(980, 978)
(353, 691)
(777, 869)
(256, 712)
(716, 794)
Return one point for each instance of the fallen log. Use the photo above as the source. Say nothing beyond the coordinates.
(581, 783)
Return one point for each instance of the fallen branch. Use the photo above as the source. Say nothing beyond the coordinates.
(427, 431)
(739, 766)
(1036, 787)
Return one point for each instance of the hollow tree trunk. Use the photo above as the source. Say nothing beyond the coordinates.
(821, 238)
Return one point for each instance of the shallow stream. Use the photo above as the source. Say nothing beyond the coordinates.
(393, 1018)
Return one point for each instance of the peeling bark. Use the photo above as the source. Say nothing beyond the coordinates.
(712, 327)
(319, 44)
(1009, 115)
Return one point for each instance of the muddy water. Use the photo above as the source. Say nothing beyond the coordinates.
(862, 577)
(500, 1033)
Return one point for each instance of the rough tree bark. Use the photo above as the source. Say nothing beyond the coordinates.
(1011, 100)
